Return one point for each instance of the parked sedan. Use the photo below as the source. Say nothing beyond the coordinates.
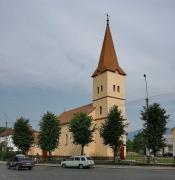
(20, 162)
(78, 161)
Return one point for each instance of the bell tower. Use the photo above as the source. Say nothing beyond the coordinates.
(108, 87)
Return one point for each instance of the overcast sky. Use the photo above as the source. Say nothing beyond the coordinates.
(50, 48)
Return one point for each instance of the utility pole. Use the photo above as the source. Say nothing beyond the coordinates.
(147, 105)
(5, 132)
(146, 99)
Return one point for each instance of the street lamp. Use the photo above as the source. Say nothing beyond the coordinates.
(146, 99)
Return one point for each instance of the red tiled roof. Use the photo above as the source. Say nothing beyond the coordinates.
(66, 116)
(108, 59)
(7, 132)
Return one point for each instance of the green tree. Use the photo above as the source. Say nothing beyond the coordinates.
(129, 145)
(23, 134)
(113, 129)
(155, 120)
(2, 129)
(50, 131)
(139, 143)
(82, 130)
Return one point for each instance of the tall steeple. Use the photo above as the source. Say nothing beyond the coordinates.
(108, 59)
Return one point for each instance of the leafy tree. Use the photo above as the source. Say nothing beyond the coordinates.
(50, 131)
(113, 129)
(2, 129)
(139, 143)
(155, 120)
(129, 145)
(82, 130)
(23, 135)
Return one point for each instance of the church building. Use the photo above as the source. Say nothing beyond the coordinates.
(108, 90)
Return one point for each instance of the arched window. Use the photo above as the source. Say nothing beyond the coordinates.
(101, 88)
(113, 87)
(100, 110)
(118, 88)
(66, 140)
(98, 90)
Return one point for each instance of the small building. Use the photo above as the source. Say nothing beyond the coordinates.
(169, 143)
(7, 141)
(35, 149)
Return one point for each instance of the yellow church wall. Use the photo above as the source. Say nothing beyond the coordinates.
(117, 80)
(106, 99)
(100, 103)
(99, 81)
(66, 147)
(34, 150)
(100, 149)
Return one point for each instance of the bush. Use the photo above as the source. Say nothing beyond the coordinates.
(4, 156)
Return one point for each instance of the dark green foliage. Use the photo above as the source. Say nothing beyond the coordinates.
(82, 130)
(23, 135)
(50, 131)
(2, 129)
(4, 156)
(139, 143)
(129, 145)
(155, 120)
(113, 129)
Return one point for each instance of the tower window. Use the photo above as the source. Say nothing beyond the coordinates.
(113, 87)
(118, 88)
(66, 140)
(98, 90)
(100, 110)
(101, 88)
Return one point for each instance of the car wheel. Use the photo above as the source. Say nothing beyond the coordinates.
(81, 166)
(18, 167)
(63, 166)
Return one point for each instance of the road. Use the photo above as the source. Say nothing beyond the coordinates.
(56, 173)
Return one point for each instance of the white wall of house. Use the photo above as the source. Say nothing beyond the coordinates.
(9, 141)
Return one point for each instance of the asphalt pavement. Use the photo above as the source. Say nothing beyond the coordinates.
(44, 172)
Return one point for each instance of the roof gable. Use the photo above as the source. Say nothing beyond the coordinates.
(66, 116)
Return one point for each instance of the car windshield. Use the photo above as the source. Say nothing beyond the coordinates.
(24, 158)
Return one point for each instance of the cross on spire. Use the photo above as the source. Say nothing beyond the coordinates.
(107, 18)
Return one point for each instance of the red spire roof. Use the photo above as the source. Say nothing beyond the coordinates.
(108, 59)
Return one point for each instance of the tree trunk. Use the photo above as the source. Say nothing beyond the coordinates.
(115, 154)
(82, 150)
(50, 155)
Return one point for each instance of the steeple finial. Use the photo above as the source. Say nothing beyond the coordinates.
(107, 18)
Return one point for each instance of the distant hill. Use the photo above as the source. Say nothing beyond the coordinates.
(131, 134)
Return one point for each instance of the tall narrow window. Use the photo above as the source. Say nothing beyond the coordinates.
(100, 110)
(98, 90)
(66, 140)
(101, 88)
(118, 88)
(113, 87)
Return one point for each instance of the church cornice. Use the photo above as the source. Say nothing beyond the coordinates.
(108, 97)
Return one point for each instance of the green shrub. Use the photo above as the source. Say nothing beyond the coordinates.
(4, 156)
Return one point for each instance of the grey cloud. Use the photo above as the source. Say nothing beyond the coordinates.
(56, 45)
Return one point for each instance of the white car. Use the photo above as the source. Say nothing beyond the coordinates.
(78, 161)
